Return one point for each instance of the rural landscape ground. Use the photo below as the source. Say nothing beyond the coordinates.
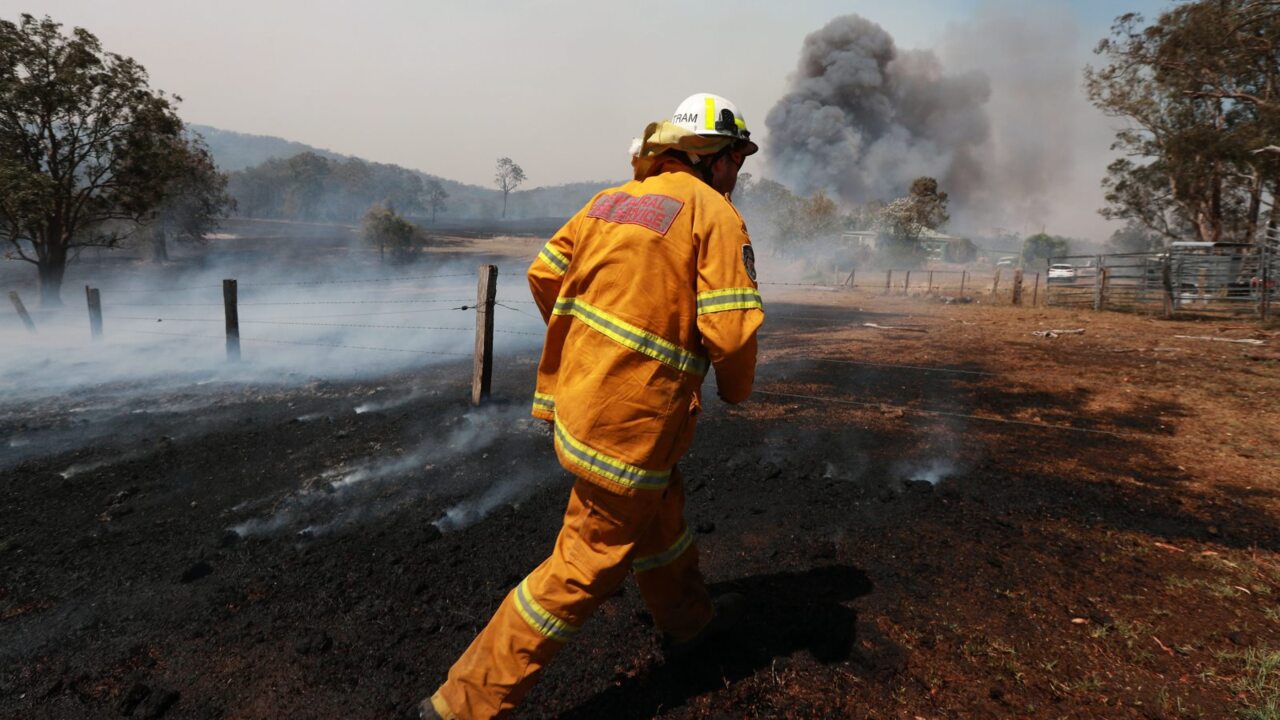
(941, 516)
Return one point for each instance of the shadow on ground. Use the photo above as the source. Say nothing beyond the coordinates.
(788, 612)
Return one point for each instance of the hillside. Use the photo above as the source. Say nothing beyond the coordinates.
(234, 151)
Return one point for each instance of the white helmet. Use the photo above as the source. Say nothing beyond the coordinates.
(706, 114)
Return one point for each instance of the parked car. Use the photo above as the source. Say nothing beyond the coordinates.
(1005, 262)
(1062, 273)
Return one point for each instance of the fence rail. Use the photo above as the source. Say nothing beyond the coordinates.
(1195, 279)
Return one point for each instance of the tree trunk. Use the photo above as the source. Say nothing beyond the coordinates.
(159, 249)
(504, 205)
(51, 269)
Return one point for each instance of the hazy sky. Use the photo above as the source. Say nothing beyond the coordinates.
(446, 87)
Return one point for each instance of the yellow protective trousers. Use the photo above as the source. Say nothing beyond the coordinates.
(604, 536)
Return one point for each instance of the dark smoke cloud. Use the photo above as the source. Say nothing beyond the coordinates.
(864, 118)
(998, 116)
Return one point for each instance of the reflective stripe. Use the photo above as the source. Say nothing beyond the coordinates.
(666, 557)
(610, 468)
(629, 335)
(729, 299)
(538, 617)
(558, 262)
(710, 114)
(544, 402)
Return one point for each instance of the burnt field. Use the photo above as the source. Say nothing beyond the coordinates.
(944, 516)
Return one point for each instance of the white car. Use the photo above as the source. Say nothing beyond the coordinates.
(1062, 272)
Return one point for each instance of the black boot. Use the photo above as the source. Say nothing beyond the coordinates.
(730, 610)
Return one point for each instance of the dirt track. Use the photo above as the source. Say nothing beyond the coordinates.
(1112, 553)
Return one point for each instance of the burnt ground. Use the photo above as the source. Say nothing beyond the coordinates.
(1071, 527)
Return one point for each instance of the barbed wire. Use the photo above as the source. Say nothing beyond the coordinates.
(298, 302)
(396, 278)
(299, 342)
(159, 290)
(298, 322)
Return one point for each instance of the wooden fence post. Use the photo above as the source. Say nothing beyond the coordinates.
(95, 312)
(995, 284)
(231, 309)
(1017, 286)
(22, 311)
(1166, 283)
(482, 371)
(1035, 292)
(1100, 287)
(888, 281)
(906, 284)
(963, 274)
(930, 290)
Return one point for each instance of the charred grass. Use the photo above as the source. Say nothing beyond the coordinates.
(1076, 527)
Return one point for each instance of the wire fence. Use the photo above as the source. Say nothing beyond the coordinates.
(336, 331)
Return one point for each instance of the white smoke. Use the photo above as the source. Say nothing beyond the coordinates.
(375, 486)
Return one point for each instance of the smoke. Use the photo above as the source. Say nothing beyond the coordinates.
(997, 115)
(375, 486)
(864, 118)
(1049, 146)
(161, 368)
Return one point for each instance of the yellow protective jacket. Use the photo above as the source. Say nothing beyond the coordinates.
(643, 290)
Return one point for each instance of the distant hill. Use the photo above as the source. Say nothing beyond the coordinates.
(233, 151)
(236, 151)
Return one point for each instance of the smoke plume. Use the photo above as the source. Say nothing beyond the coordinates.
(997, 115)
(864, 118)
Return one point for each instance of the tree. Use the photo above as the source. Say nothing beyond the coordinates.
(902, 222)
(195, 198)
(434, 196)
(1043, 246)
(1134, 237)
(83, 143)
(381, 226)
(507, 177)
(1199, 91)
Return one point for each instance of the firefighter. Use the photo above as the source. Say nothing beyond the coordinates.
(644, 290)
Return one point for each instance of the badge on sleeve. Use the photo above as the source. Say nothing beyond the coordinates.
(749, 261)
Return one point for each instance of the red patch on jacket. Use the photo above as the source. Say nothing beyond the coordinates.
(655, 212)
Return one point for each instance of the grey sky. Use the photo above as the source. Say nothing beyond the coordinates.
(446, 87)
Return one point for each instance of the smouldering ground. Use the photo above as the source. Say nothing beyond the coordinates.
(953, 520)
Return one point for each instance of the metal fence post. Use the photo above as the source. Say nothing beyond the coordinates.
(1166, 285)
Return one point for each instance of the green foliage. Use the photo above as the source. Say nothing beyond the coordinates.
(84, 144)
(902, 222)
(1134, 237)
(390, 233)
(1199, 91)
(1042, 246)
(309, 186)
